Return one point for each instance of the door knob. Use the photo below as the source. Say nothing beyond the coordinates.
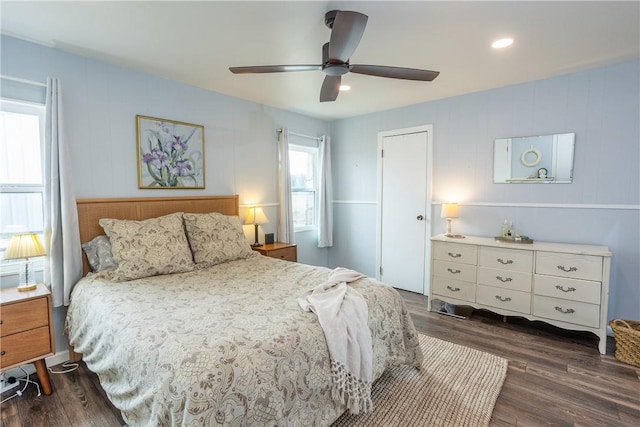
(419, 217)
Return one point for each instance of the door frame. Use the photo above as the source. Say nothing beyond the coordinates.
(428, 217)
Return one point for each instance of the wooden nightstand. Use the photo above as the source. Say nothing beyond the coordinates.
(285, 251)
(26, 331)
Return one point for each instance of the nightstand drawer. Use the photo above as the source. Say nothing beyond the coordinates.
(284, 251)
(27, 345)
(287, 254)
(22, 316)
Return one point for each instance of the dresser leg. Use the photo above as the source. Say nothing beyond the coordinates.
(43, 376)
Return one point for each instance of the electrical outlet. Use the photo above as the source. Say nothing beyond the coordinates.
(5, 385)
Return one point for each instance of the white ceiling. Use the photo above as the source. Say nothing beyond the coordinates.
(196, 42)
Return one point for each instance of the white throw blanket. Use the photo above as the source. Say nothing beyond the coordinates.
(343, 316)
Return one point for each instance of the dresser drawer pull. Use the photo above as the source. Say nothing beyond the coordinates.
(1, 321)
(452, 271)
(567, 270)
(498, 297)
(453, 289)
(501, 261)
(561, 288)
(2, 353)
(508, 279)
(567, 311)
(454, 255)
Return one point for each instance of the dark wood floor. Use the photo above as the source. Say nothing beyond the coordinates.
(555, 378)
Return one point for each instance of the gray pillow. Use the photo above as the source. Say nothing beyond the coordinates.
(99, 254)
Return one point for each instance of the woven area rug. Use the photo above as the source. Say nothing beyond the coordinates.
(457, 386)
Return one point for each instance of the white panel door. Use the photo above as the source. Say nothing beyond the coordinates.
(404, 220)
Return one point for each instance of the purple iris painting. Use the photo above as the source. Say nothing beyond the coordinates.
(171, 154)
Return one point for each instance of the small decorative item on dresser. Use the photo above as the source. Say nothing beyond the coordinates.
(627, 335)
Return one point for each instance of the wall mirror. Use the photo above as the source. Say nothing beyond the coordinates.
(534, 159)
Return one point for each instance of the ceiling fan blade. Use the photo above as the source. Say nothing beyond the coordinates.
(273, 69)
(394, 72)
(346, 33)
(330, 88)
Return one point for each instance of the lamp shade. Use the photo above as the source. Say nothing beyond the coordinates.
(449, 210)
(24, 246)
(255, 215)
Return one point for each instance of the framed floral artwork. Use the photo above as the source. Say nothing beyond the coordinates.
(170, 154)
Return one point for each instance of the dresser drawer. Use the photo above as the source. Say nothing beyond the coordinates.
(579, 313)
(458, 289)
(588, 267)
(465, 254)
(455, 270)
(506, 299)
(23, 346)
(506, 259)
(571, 289)
(22, 316)
(516, 280)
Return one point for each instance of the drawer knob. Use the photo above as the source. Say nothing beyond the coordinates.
(454, 255)
(499, 298)
(507, 279)
(452, 271)
(567, 311)
(501, 261)
(453, 289)
(561, 288)
(567, 270)
(2, 353)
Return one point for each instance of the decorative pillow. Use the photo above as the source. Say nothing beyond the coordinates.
(215, 238)
(99, 254)
(148, 248)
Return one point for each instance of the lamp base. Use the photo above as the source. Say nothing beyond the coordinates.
(256, 245)
(26, 288)
(454, 236)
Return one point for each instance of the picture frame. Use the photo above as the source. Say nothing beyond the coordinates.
(170, 154)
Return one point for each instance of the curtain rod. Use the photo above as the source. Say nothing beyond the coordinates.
(19, 80)
(300, 135)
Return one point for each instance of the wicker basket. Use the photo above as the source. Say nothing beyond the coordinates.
(627, 335)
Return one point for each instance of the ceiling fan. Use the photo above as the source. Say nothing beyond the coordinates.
(346, 31)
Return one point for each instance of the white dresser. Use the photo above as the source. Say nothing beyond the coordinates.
(566, 285)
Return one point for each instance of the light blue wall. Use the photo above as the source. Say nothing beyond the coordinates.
(101, 102)
(600, 207)
(600, 106)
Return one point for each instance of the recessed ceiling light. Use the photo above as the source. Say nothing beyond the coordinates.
(345, 87)
(499, 44)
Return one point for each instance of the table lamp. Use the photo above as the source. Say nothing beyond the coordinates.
(25, 245)
(255, 216)
(450, 211)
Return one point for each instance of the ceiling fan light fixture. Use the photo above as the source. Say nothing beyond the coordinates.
(502, 43)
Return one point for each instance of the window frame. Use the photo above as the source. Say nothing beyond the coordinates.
(315, 152)
(13, 267)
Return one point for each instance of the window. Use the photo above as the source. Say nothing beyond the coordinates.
(21, 171)
(303, 164)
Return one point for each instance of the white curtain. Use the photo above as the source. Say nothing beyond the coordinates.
(325, 209)
(285, 225)
(61, 233)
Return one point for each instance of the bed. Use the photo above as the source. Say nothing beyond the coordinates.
(223, 343)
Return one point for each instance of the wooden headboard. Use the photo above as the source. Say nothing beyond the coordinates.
(90, 211)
